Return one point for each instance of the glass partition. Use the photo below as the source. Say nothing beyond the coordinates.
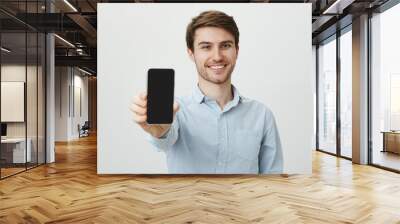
(22, 77)
(13, 94)
(41, 106)
(31, 100)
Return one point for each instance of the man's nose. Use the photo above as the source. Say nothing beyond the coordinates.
(217, 54)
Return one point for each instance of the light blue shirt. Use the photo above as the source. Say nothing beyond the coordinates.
(203, 139)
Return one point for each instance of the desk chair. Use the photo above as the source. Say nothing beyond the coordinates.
(84, 130)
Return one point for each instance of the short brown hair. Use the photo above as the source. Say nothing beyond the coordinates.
(211, 19)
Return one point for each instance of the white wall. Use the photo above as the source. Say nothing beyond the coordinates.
(68, 80)
(274, 66)
(61, 103)
(80, 83)
(17, 73)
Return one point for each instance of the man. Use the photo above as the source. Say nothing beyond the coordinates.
(216, 129)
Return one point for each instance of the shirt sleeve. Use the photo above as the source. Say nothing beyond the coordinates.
(168, 139)
(270, 157)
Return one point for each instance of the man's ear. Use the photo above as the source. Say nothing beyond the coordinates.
(190, 53)
(237, 51)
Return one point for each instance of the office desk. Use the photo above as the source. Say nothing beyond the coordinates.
(391, 141)
(13, 150)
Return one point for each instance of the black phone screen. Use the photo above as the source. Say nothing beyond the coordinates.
(160, 96)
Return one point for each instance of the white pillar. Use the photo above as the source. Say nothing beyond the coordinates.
(50, 110)
(50, 91)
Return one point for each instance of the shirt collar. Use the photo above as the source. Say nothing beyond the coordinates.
(199, 97)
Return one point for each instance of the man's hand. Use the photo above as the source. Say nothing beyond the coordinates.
(139, 110)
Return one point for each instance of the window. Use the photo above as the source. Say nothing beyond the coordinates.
(327, 96)
(385, 88)
(346, 94)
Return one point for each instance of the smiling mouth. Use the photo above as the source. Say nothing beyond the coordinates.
(217, 67)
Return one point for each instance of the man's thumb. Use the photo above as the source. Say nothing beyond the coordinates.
(176, 107)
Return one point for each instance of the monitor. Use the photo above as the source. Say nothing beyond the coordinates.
(3, 129)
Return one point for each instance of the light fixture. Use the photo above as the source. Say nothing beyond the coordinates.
(64, 40)
(337, 7)
(84, 71)
(79, 51)
(70, 5)
(5, 50)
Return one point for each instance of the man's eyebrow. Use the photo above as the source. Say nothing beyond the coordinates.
(204, 42)
(222, 42)
(227, 42)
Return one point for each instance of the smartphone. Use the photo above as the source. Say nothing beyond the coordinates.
(160, 95)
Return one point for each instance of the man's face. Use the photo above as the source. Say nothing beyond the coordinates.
(214, 54)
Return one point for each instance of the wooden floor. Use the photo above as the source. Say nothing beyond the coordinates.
(5, 172)
(70, 191)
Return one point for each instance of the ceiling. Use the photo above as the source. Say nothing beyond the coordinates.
(76, 22)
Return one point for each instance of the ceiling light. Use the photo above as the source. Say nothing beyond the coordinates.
(70, 5)
(84, 71)
(64, 40)
(5, 50)
(329, 9)
(338, 6)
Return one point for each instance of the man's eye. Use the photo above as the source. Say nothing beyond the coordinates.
(226, 46)
(205, 47)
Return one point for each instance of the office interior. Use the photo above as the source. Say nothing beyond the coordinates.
(49, 97)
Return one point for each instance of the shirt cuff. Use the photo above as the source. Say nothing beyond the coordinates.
(167, 140)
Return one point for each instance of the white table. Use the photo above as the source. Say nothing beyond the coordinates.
(19, 149)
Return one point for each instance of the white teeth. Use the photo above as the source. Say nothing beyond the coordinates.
(217, 66)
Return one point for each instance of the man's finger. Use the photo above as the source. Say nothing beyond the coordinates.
(143, 96)
(140, 119)
(176, 106)
(138, 110)
(138, 101)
